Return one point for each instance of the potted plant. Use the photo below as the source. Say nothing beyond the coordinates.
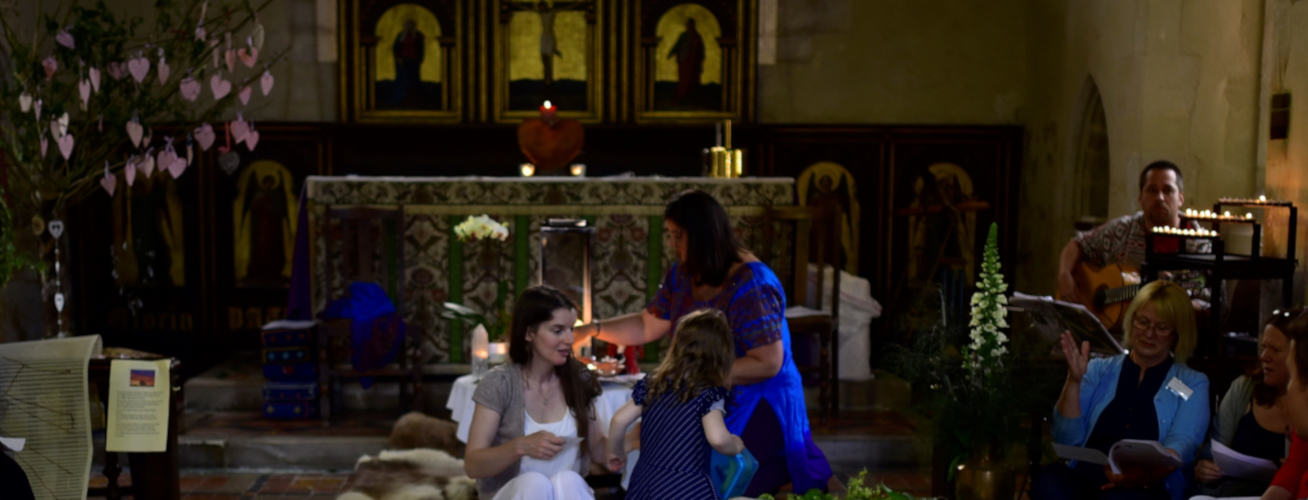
(495, 325)
(968, 380)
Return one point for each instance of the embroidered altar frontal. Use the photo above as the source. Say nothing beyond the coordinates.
(630, 254)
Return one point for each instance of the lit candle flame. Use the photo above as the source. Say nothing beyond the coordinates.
(548, 105)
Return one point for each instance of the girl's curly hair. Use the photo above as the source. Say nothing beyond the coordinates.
(700, 357)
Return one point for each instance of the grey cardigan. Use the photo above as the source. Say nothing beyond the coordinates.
(502, 389)
(1232, 409)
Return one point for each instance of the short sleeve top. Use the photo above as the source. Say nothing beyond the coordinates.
(752, 298)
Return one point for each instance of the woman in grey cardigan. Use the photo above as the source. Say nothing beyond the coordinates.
(1250, 419)
(524, 439)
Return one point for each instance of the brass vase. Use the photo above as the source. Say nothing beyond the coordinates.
(982, 478)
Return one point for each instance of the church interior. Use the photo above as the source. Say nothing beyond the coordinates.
(939, 232)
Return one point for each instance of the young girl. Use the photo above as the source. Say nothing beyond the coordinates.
(682, 410)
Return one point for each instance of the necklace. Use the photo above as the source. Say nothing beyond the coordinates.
(540, 388)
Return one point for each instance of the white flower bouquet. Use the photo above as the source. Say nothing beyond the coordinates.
(481, 227)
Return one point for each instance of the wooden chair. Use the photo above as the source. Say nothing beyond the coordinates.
(813, 234)
(371, 242)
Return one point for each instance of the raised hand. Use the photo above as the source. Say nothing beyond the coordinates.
(1077, 359)
(542, 445)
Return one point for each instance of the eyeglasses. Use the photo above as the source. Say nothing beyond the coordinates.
(1143, 325)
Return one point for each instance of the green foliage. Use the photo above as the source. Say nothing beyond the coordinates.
(856, 490)
(497, 330)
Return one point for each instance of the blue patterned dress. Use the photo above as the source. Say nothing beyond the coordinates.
(755, 305)
(674, 452)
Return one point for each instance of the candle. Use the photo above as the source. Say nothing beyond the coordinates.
(527, 169)
(578, 170)
(1262, 199)
(1227, 214)
(549, 114)
(1248, 215)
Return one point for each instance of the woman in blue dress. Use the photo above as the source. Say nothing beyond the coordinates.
(713, 271)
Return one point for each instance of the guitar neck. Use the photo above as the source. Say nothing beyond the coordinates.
(1121, 294)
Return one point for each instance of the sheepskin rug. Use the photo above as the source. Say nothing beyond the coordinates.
(420, 474)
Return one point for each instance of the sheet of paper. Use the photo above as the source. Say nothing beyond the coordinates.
(1134, 452)
(15, 444)
(1236, 464)
(43, 399)
(1089, 455)
(138, 406)
(570, 441)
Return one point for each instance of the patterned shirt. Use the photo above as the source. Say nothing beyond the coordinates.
(1122, 241)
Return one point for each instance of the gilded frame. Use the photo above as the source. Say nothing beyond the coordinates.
(358, 18)
(596, 36)
(739, 56)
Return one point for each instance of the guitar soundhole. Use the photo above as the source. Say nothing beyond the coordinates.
(1101, 297)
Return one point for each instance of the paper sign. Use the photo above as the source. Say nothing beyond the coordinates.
(1179, 388)
(139, 394)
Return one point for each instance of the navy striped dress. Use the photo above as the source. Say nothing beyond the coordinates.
(674, 453)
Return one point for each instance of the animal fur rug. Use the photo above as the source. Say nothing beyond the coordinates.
(421, 465)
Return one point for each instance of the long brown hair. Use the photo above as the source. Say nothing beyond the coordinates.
(711, 246)
(1263, 394)
(536, 305)
(700, 357)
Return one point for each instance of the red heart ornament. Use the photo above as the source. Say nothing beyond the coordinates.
(551, 149)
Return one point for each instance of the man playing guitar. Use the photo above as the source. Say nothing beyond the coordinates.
(1121, 241)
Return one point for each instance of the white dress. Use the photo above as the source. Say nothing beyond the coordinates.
(553, 479)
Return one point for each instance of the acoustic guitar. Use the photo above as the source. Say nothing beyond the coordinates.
(1106, 291)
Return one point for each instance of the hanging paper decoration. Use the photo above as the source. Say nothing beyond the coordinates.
(239, 128)
(50, 65)
(146, 164)
(109, 182)
(219, 87)
(252, 138)
(199, 23)
(37, 107)
(248, 55)
(95, 78)
(45, 144)
(117, 70)
(138, 67)
(25, 102)
(244, 94)
(229, 55)
(204, 134)
(266, 82)
(174, 164)
(256, 34)
(129, 171)
(190, 89)
(65, 38)
(145, 141)
(163, 69)
(84, 88)
(59, 126)
(166, 157)
(134, 131)
(65, 145)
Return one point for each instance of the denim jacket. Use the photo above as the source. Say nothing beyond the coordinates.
(1182, 423)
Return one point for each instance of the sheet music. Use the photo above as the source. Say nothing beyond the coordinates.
(1236, 464)
(1140, 452)
(1088, 455)
(43, 398)
(1052, 317)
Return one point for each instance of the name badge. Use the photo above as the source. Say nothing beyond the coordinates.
(1179, 388)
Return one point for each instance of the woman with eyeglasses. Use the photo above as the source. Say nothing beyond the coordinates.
(1250, 419)
(1146, 394)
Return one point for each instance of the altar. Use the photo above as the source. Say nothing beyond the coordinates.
(629, 254)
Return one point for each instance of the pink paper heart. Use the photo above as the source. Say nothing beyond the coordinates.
(134, 131)
(84, 88)
(129, 171)
(244, 94)
(36, 106)
(248, 56)
(146, 165)
(65, 145)
(190, 89)
(230, 58)
(45, 144)
(219, 87)
(138, 67)
(204, 134)
(164, 71)
(166, 159)
(50, 65)
(95, 78)
(252, 140)
(145, 141)
(65, 38)
(117, 70)
(25, 102)
(176, 167)
(240, 129)
(200, 34)
(109, 183)
(266, 82)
